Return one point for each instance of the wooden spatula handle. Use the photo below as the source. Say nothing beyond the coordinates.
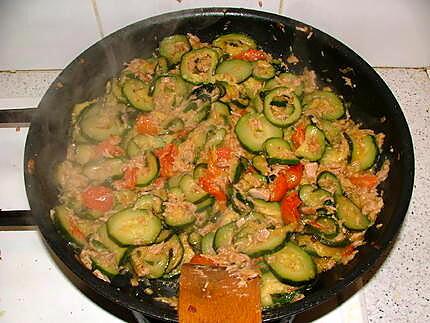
(210, 295)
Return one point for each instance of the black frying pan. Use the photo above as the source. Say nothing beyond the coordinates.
(370, 103)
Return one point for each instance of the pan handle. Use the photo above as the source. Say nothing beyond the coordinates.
(16, 117)
(16, 220)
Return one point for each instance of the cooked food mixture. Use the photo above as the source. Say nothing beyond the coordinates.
(215, 153)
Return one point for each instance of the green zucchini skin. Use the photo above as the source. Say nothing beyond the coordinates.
(282, 100)
(278, 151)
(329, 182)
(198, 65)
(364, 151)
(235, 43)
(350, 214)
(235, 69)
(263, 70)
(137, 94)
(134, 227)
(150, 173)
(254, 129)
(314, 145)
(325, 105)
(174, 47)
(292, 265)
(94, 129)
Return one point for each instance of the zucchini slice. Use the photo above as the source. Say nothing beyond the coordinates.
(325, 227)
(263, 70)
(150, 261)
(253, 129)
(174, 47)
(288, 80)
(260, 164)
(117, 91)
(176, 251)
(134, 227)
(350, 214)
(314, 145)
(179, 217)
(199, 170)
(99, 121)
(339, 240)
(84, 153)
(272, 209)
(220, 111)
(99, 171)
(105, 262)
(236, 70)
(282, 107)
(174, 181)
(324, 105)
(317, 249)
(329, 182)
(73, 228)
(339, 154)
(238, 168)
(234, 44)
(207, 244)
(364, 151)
(292, 265)
(206, 204)
(175, 125)
(137, 94)
(198, 66)
(141, 143)
(272, 288)
(170, 90)
(240, 204)
(103, 237)
(224, 236)
(314, 197)
(149, 202)
(195, 240)
(193, 192)
(215, 137)
(146, 175)
(279, 152)
(164, 235)
(273, 242)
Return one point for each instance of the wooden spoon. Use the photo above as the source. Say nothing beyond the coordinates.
(209, 294)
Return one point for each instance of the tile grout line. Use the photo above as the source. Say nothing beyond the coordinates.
(97, 16)
(281, 7)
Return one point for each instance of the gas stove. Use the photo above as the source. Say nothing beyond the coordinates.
(36, 286)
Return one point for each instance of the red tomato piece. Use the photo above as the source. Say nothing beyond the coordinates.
(166, 157)
(366, 181)
(286, 180)
(298, 136)
(110, 147)
(251, 55)
(289, 208)
(145, 126)
(99, 198)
